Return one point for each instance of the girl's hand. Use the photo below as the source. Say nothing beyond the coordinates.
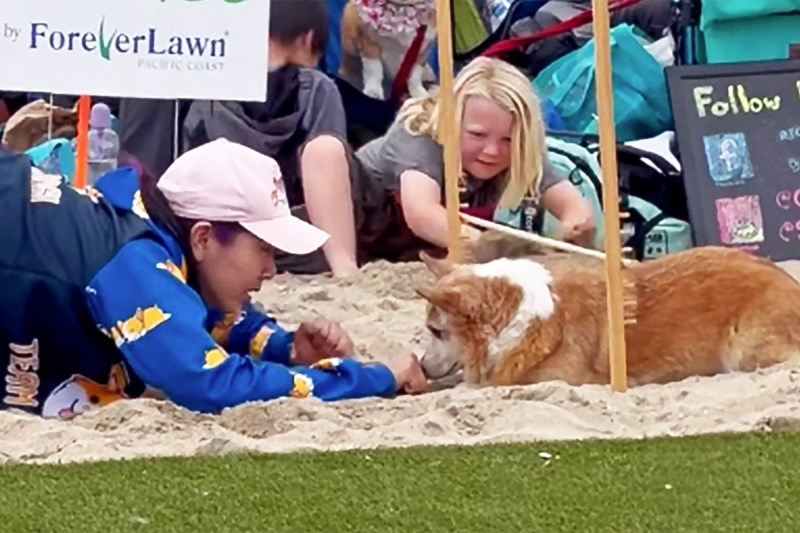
(468, 233)
(578, 232)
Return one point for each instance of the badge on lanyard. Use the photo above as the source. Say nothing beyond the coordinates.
(528, 214)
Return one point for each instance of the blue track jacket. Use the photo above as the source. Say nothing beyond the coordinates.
(116, 312)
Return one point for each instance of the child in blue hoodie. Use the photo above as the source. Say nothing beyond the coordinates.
(131, 286)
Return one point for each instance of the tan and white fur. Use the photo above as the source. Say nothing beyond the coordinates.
(701, 312)
(371, 53)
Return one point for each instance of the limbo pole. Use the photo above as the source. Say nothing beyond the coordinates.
(538, 239)
(446, 127)
(608, 141)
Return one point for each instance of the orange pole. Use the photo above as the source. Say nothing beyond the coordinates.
(82, 151)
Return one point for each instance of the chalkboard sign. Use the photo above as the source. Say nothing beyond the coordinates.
(737, 126)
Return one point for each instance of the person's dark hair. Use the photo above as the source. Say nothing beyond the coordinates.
(160, 212)
(292, 19)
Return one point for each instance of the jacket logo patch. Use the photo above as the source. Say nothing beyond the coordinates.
(79, 394)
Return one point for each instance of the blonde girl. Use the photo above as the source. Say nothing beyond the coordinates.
(386, 200)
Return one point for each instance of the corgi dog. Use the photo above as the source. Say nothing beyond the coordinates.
(375, 37)
(701, 312)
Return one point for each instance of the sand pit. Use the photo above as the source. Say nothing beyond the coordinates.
(383, 315)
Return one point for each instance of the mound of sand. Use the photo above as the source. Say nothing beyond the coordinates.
(383, 315)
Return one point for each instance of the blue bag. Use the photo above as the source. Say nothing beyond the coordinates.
(641, 101)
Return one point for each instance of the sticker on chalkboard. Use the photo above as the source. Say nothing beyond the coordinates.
(740, 220)
(728, 158)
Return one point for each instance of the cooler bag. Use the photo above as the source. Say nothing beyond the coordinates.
(748, 30)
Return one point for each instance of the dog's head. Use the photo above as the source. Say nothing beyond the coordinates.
(477, 313)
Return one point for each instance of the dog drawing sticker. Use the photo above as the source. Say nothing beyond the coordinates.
(740, 220)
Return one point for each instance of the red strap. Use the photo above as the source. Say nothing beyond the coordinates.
(562, 27)
(400, 84)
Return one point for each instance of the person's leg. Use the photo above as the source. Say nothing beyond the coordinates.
(328, 195)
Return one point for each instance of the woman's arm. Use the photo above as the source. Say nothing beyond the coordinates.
(420, 198)
(573, 211)
(255, 334)
(157, 322)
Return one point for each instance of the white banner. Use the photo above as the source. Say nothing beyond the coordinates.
(194, 49)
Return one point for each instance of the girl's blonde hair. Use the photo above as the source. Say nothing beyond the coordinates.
(509, 88)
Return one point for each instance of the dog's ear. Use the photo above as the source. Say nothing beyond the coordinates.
(426, 293)
(439, 267)
(445, 299)
(452, 300)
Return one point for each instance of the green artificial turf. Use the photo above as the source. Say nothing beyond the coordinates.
(720, 483)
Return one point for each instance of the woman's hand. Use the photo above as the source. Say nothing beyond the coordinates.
(408, 374)
(321, 339)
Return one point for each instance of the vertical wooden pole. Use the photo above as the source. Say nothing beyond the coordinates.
(608, 141)
(82, 149)
(448, 135)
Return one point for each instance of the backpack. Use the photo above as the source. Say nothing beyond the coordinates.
(651, 233)
(576, 163)
(649, 176)
(652, 192)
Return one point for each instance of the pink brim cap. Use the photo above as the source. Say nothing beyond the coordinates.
(222, 181)
(288, 234)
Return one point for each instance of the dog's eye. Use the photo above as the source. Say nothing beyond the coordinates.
(435, 332)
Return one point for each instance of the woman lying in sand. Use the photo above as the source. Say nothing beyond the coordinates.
(111, 290)
(386, 200)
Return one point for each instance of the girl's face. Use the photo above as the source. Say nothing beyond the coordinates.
(229, 271)
(485, 138)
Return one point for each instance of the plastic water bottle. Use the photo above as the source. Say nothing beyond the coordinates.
(103, 143)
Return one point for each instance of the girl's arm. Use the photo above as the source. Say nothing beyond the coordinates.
(573, 211)
(420, 198)
(158, 323)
